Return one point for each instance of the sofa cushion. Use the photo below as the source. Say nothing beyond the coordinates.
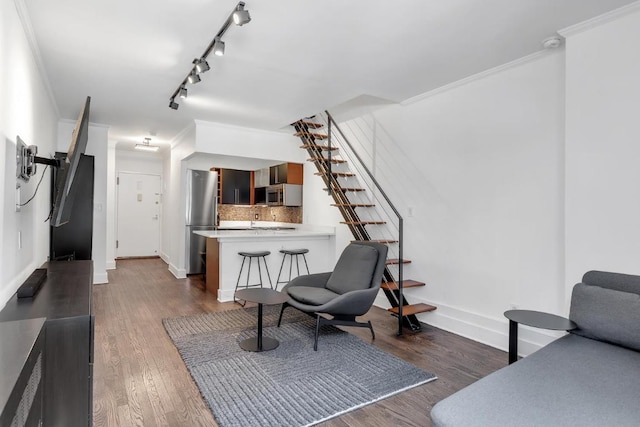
(616, 281)
(354, 269)
(311, 295)
(573, 381)
(606, 315)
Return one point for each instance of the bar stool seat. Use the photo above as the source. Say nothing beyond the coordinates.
(258, 255)
(254, 254)
(291, 253)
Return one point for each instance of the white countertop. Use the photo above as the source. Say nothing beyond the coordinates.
(261, 230)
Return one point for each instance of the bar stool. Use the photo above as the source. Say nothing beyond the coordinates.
(252, 256)
(291, 253)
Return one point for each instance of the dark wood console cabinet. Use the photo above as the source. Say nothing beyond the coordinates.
(65, 301)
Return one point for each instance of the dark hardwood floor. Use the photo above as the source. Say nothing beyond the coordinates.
(140, 380)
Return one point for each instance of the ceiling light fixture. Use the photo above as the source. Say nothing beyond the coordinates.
(145, 145)
(193, 77)
(218, 47)
(201, 65)
(241, 16)
(238, 16)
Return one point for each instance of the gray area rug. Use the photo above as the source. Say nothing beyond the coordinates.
(291, 385)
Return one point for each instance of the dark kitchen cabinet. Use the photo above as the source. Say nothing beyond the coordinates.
(236, 186)
(285, 173)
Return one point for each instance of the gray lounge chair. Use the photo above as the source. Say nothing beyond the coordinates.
(345, 293)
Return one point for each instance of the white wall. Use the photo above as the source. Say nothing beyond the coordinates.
(138, 162)
(97, 146)
(603, 148)
(173, 225)
(480, 165)
(28, 110)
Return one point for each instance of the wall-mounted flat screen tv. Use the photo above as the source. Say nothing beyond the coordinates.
(63, 196)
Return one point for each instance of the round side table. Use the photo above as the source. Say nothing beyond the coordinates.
(536, 319)
(261, 296)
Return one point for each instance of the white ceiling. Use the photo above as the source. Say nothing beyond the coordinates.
(295, 58)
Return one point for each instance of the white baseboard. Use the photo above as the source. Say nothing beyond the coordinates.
(100, 277)
(12, 287)
(165, 258)
(487, 330)
(111, 264)
(226, 295)
(179, 273)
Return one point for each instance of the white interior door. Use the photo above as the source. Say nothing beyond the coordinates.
(138, 223)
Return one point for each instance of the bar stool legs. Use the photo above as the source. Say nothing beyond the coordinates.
(251, 256)
(291, 253)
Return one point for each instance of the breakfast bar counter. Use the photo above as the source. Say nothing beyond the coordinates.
(223, 262)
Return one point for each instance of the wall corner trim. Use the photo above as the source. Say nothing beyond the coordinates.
(600, 20)
(25, 19)
(478, 76)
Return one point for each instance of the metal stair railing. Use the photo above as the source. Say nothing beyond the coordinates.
(378, 195)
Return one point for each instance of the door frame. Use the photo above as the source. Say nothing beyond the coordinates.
(117, 219)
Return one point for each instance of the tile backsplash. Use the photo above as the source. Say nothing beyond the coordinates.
(265, 213)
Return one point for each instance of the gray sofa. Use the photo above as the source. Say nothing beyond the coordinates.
(590, 377)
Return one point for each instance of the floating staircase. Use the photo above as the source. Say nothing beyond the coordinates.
(368, 224)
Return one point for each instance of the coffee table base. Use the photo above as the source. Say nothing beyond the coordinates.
(251, 344)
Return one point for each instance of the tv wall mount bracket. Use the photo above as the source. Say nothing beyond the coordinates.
(26, 160)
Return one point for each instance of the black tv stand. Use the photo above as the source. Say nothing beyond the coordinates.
(65, 301)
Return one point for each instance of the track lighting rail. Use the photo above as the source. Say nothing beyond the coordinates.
(239, 16)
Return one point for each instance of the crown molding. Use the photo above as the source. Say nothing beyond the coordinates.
(481, 75)
(25, 20)
(600, 20)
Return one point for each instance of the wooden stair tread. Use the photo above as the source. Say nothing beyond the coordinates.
(362, 222)
(309, 124)
(345, 189)
(324, 159)
(392, 286)
(318, 147)
(312, 134)
(408, 310)
(335, 173)
(384, 242)
(353, 205)
(395, 261)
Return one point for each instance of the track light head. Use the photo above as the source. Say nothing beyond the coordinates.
(218, 47)
(201, 65)
(182, 92)
(173, 105)
(241, 16)
(193, 77)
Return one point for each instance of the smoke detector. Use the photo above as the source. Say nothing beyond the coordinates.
(552, 42)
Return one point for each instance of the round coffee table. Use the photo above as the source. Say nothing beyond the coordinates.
(261, 296)
(537, 319)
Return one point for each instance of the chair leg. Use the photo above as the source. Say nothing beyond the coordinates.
(264, 260)
(305, 263)
(280, 272)
(373, 335)
(315, 342)
(284, 305)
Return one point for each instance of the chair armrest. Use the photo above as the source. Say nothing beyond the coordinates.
(354, 303)
(317, 280)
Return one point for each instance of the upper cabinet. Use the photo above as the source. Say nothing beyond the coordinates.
(261, 177)
(235, 186)
(286, 173)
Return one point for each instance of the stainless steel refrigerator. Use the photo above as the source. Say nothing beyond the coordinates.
(202, 211)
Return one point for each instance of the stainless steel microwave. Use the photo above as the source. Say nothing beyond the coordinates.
(284, 195)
